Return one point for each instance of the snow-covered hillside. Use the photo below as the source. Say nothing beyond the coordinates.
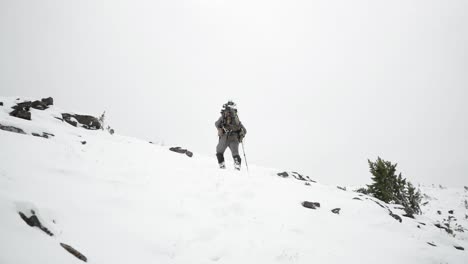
(117, 199)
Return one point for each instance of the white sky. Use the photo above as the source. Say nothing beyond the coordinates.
(321, 85)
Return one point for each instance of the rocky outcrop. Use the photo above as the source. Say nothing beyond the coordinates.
(48, 101)
(181, 151)
(86, 121)
(21, 110)
(74, 252)
(33, 221)
(12, 129)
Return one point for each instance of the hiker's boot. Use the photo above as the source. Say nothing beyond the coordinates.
(237, 162)
(222, 165)
(220, 158)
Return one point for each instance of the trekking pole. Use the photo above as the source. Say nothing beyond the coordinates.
(245, 158)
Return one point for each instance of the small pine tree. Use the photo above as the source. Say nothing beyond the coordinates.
(414, 199)
(384, 179)
(391, 188)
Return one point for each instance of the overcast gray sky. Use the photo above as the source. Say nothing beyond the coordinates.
(321, 85)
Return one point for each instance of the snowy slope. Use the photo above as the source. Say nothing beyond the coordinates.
(118, 199)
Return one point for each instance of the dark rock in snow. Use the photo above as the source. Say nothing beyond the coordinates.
(181, 151)
(311, 205)
(23, 106)
(422, 223)
(396, 217)
(44, 135)
(39, 105)
(341, 188)
(450, 211)
(12, 129)
(23, 114)
(357, 198)
(432, 244)
(336, 210)
(295, 175)
(48, 134)
(86, 121)
(48, 101)
(439, 212)
(74, 252)
(1, 103)
(33, 221)
(283, 174)
(466, 188)
(459, 248)
(83, 142)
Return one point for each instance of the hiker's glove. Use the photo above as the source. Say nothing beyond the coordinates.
(241, 135)
(220, 132)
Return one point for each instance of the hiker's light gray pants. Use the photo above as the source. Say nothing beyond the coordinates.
(231, 141)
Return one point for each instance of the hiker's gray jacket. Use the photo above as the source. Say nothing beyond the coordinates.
(219, 124)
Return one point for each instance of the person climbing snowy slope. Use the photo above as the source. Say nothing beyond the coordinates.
(230, 132)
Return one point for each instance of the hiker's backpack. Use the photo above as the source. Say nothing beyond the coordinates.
(231, 122)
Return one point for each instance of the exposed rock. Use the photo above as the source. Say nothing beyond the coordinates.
(439, 212)
(48, 101)
(21, 114)
(341, 188)
(74, 252)
(283, 174)
(425, 203)
(295, 175)
(432, 244)
(83, 142)
(1, 103)
(39, 105)
(459, 248)
(181, 151)
(466, 188)
(86, 121)
(12, 129)
(379, 204)
(397, 217)
(23, 106)
(357, 198)
(336, 210)
(44, 135)
(33, 221)
(311, 205)
(422, 223)
(450, 211)
(307, 183)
